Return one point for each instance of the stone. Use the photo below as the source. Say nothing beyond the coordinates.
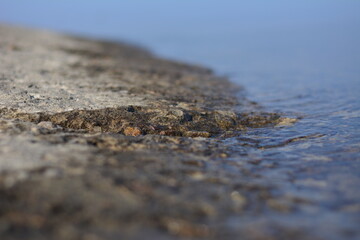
(132, 131)
(104, 140)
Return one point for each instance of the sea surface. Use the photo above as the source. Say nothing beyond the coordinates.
(301, 59)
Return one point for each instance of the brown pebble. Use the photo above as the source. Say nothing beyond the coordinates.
(132, 131)
(197, 134)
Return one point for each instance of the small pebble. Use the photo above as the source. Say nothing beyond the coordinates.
(132, 131)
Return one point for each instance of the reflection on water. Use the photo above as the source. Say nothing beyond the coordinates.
(298, 58)
(317, 159)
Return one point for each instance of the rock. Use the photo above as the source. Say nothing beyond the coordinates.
(225, 119)
(197, 134)
(239, 200)
(103, 140)
(132, 131)
(46, 124)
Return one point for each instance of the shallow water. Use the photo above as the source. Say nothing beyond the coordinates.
(300, 59)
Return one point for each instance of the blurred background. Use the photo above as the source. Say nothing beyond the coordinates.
(243, 38)
(279, 50)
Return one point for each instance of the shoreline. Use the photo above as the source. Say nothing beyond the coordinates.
(105, 140)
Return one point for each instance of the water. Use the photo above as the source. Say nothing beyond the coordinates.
(301, 59)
